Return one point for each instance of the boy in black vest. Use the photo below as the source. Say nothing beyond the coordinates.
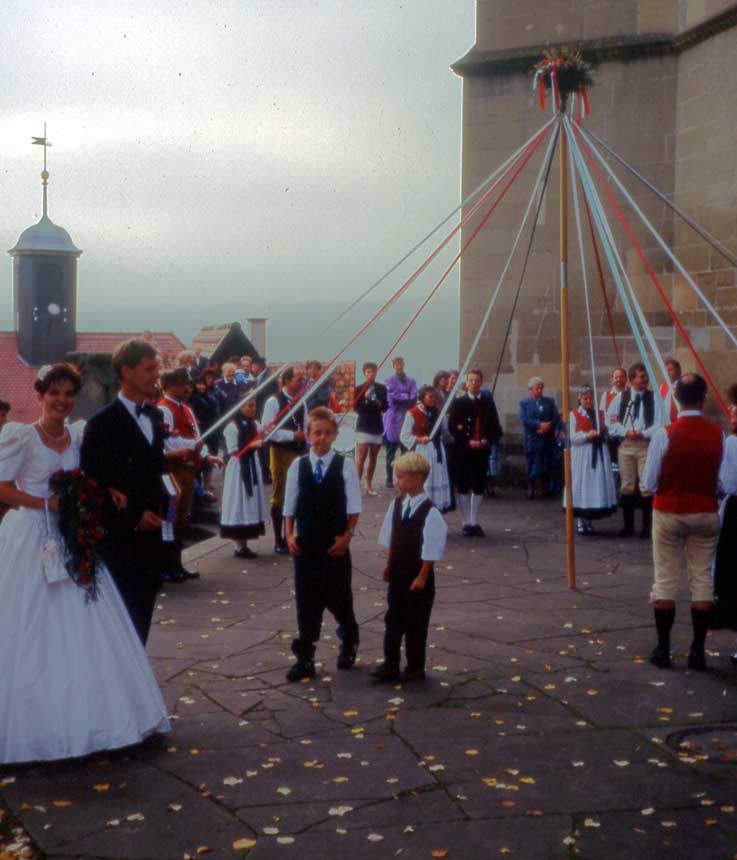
(322, 503)
(415, 533)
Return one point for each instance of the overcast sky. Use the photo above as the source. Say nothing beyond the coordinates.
(219, 160)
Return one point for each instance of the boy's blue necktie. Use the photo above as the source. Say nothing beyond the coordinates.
(318, 472)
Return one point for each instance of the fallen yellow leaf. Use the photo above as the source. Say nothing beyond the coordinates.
(244, 844)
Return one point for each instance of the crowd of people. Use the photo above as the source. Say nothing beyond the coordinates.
(148, 453)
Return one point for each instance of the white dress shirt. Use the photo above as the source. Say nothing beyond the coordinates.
(656, 452)
(638, 424)
(434, 532)
(143, 421)
(271, 410)
(176, 443)
(354, 504)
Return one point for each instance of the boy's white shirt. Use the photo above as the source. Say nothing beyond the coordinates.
(434, 532)
(354, 504)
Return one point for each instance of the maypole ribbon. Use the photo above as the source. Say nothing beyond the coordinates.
(653, 277)
(265, 433)
(479, 188)
(485, 319)
(602, 283)
(676, 262)
(523, 159)
(616, 265)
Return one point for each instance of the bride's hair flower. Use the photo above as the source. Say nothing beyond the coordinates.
(43, 372)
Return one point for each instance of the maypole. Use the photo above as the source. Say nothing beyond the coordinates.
(566, 75)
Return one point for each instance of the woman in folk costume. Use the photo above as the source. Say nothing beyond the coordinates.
(592, 480)
(415, 436)
(244, 508)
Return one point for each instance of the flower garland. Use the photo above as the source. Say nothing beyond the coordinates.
(565, 73)
(82, 503)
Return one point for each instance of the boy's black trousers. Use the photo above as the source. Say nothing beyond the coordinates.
(322, 582)
(408, 616)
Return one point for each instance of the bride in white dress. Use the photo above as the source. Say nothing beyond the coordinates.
(74, 678)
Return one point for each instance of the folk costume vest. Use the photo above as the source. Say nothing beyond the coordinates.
(294, 423)
(247, 431)
(647, 403)
(585, 422)
(424, 421)
(185, 425)
(690, 470)
(321, 508)
(405, 553)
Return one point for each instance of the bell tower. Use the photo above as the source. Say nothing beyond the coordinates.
(45, 285)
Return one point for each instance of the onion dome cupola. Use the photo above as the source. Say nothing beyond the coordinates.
(45, 286)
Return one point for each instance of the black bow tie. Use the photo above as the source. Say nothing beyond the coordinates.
(145, 409)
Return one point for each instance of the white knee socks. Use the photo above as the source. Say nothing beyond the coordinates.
(475, 505)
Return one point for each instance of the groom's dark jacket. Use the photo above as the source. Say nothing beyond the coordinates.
(116, 453)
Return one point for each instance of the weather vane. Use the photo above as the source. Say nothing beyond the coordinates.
(45, 142)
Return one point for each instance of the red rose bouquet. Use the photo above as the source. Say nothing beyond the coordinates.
(82, 503)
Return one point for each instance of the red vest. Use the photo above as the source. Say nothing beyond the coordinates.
(690, 468)
(422, 425)
(584, 424)
(610, 395)
(184, 422)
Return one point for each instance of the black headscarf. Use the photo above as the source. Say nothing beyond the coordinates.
(599, 441)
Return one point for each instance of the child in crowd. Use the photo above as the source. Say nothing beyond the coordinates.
(322, 503)
(415, 533)
(243, 512)
(415, 436)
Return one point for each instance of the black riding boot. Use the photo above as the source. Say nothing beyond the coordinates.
(628, 513)
(280, 545)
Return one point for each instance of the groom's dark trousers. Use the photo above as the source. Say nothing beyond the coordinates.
(116, 453)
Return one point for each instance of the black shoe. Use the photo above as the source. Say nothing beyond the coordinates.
(477, 531)
(530, 494)
(347, 656)
(410, 675)
(281, 549)
(244, 552)
(173, 576)
(733, 659)
(697, 659)
(385, 674)
(302, 669)
(625, 532)
(468, 531)
(660, 658)
(188, 574)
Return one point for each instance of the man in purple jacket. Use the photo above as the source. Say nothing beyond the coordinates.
(401, 395)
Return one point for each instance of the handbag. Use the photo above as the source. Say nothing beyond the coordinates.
(52, 555)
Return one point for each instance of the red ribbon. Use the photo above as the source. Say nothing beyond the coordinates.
(541, 88)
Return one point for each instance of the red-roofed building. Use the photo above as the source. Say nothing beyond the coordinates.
(45, 314)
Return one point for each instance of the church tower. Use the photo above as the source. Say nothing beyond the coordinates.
(45, 286)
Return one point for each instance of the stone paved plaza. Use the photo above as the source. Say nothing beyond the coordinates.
(540, 733)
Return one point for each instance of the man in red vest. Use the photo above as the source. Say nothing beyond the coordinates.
(184, 437)
(682, 469)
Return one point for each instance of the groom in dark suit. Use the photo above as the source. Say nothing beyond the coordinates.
(123, 447)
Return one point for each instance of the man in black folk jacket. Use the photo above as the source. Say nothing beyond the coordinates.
(474, 424)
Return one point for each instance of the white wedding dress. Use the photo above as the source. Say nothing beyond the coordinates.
(74, 677)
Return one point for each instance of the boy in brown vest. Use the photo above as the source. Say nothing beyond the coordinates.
(415, 533)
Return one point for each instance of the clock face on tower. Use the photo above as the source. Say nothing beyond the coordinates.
(53, 309)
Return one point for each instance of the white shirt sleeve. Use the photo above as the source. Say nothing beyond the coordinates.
(385, 533)
(176, 443)
(407, 433)
(728, 469)
(271, 410)
(231, 438)
(433, 536)
(291, 489)
(354, 503)
(654, 463)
